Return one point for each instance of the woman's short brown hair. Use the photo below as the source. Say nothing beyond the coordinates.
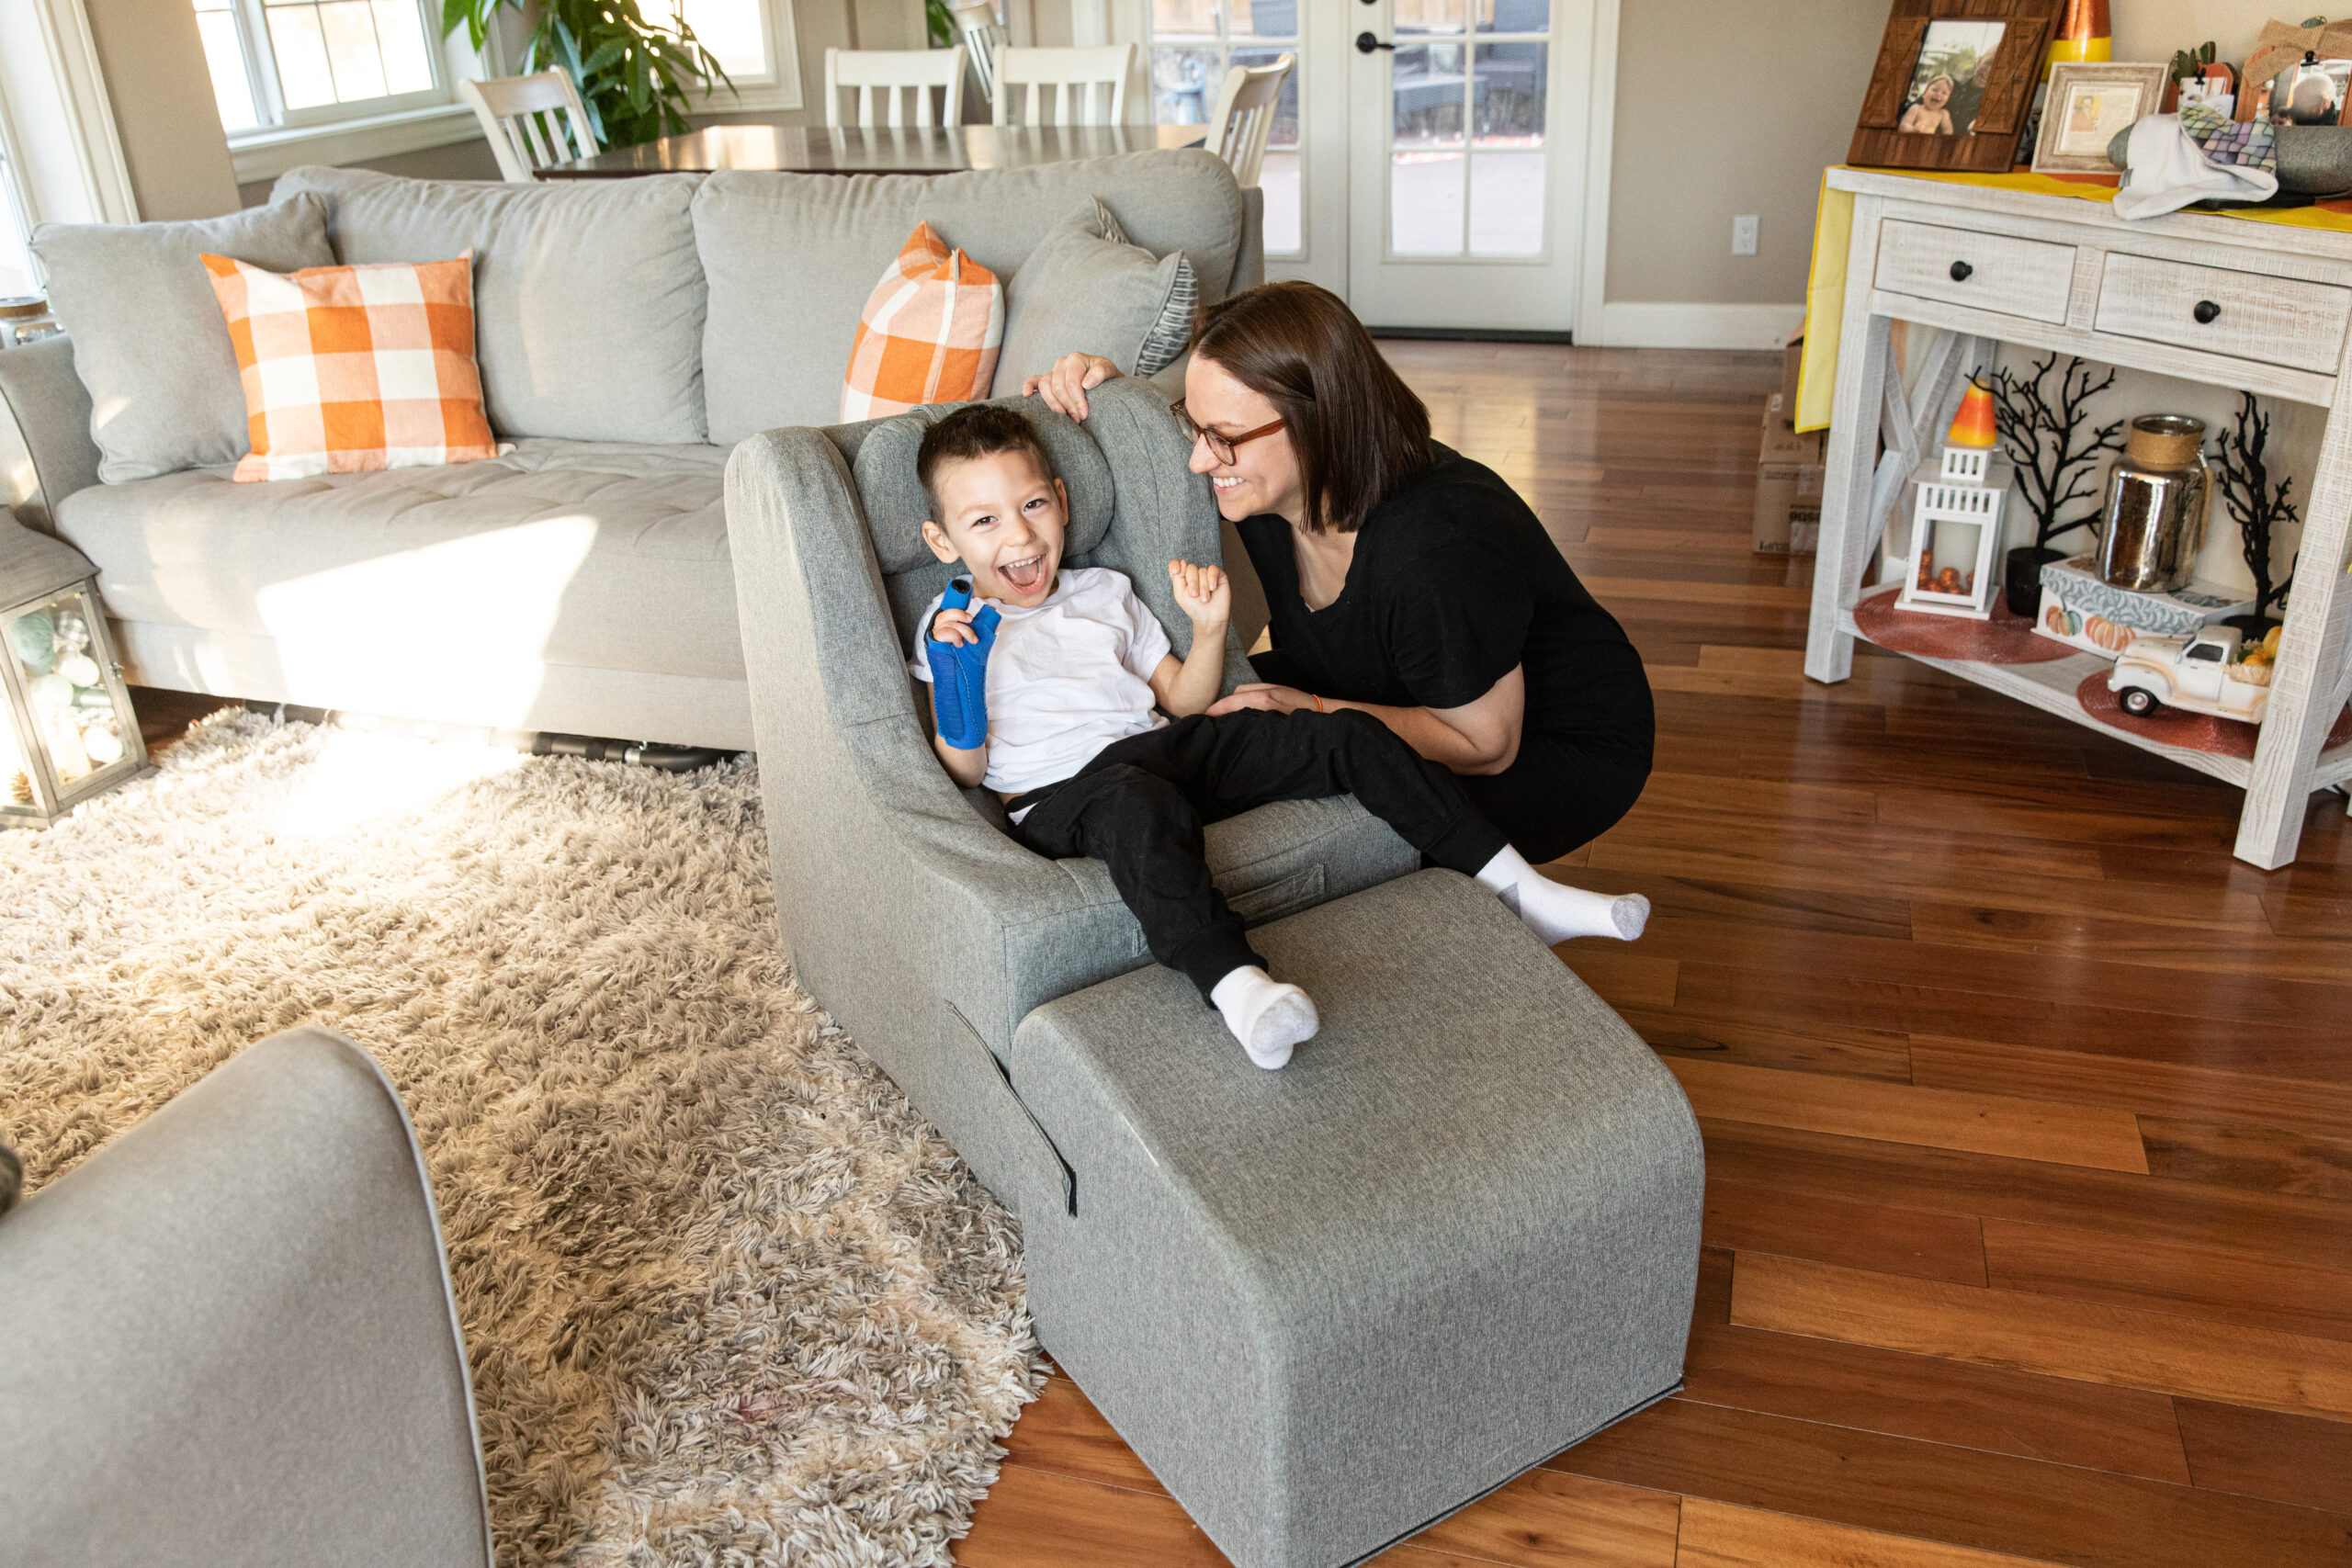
(1359, 433)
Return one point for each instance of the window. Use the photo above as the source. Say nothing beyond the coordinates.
(1193, 44)
(281, 62)
(1500, 98)
(17, 275)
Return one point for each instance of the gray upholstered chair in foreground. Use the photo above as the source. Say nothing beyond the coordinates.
(229, 1339)
(1328, 1305)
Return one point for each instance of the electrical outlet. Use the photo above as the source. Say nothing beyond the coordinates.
(1743, 235)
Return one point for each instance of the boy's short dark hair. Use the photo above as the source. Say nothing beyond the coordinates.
(975, 430)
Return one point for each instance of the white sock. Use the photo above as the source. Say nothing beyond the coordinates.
(1555, 911)
(1268, 1016)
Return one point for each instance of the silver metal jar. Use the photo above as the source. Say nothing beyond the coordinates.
(2159, 494)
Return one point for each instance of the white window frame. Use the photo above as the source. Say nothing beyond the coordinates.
(371, 128)
(56, 121)
(262, 79)
(777, 86)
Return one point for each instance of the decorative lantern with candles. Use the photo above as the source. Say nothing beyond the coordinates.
(1956, 519)
(69, 732)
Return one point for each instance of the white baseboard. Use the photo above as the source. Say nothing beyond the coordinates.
(1625, 325)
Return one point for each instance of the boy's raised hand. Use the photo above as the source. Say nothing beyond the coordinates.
(1203, 592)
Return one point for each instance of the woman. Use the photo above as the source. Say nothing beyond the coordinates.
(1403, 579)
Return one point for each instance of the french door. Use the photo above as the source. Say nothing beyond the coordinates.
(1430, 162)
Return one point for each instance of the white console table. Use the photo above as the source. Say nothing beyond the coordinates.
(1985, 265)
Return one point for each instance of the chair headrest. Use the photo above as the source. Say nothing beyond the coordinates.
(894, 507)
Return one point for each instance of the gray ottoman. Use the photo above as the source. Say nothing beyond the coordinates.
(1331, 1305)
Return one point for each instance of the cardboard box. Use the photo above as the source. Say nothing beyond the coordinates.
(1788, 486)
(2080, 611)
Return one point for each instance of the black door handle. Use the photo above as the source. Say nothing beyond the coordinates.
(1960, 272)
(1366, 44)
(2206, 311)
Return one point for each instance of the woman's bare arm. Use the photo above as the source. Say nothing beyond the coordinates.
(1481, 736)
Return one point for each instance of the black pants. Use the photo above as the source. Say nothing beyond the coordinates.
(1140, 803)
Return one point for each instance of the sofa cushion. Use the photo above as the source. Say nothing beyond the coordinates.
(607, 556)
(790, 258)
(149, 339)
(588, 296)
(1085, 290)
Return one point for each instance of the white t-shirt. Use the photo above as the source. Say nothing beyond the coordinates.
(1065, 679)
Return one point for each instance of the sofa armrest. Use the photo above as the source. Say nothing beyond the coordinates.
(231, 1340)
(45, 452)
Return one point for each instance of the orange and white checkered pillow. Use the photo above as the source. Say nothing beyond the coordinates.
(349, 369)
(929, 335)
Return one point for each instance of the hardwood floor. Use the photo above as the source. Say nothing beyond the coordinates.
(2027, 1109)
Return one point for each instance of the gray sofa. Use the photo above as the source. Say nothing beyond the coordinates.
(628, 333)
(231, 1341)
(1327, 1305)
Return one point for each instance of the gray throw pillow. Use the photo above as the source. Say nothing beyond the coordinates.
(149, 342)
(1085, 290)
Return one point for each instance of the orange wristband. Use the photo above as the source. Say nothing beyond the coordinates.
(1319, 703)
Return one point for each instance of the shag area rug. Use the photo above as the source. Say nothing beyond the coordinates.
(728, 1298)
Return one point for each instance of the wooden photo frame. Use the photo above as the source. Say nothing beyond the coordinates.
(1953, 83)
(2088, 104)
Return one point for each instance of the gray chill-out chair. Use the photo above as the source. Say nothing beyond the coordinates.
(1328, 1305)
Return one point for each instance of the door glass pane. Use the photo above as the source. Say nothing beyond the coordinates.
(1429, 16)
(301, 51)
(1184, 82)
(224, 56)
(1425, 203)
(1184, 18)
(1427, 89)
(1514, 15)
(1507, 204)
(1265, 18)
(1507, 98)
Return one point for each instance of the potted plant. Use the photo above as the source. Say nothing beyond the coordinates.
(636, 74)
(2257, 505)
(2043, 433)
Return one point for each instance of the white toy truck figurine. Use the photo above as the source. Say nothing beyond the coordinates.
(2201, 674)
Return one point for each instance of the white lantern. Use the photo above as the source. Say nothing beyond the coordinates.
(70, 731)
(1955, 534)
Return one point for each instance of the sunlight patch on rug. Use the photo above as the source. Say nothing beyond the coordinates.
(726, 1298)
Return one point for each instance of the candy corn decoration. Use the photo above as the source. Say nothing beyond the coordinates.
(1973, 424)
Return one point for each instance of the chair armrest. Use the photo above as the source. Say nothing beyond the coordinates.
(45, 452)
(1250, 260)
(231, 1339)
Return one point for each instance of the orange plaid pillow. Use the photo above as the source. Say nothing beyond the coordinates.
(353, 368)
(929, 335)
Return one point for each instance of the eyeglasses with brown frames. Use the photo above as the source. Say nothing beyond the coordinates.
(1220, 446)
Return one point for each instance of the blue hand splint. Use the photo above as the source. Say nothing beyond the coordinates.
(959, 689)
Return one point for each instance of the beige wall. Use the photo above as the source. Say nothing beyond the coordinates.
(1724, 107)
(163, 113)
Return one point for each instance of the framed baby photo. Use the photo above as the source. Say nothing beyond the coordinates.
(2087, 107)
(1953, 83)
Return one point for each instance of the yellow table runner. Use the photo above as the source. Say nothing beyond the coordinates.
(1833, 231)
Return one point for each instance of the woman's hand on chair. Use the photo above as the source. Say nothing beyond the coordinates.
(1261, 694)
(1065, 387)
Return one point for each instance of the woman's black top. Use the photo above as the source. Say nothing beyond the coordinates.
(1453, 583)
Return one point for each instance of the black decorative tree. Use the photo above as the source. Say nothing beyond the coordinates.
(2046, 434)
(2257, 505)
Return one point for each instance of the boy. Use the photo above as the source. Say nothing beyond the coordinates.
(1046, 695)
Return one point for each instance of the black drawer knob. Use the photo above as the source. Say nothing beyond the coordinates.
(1960, 272)
(2206, 311)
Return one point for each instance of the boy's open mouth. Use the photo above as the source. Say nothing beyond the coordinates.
(1023, 575)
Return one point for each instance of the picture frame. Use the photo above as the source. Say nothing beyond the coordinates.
(2088, 104)
(1953, 83)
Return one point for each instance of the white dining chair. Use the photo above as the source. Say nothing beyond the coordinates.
(893, 72)
(1245, 115)
(983, 35)
(525, 119)
(1099, 74)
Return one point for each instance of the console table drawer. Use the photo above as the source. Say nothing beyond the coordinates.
(2279, 321)
(1964, 266)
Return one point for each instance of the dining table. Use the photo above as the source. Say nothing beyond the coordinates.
(892, 150)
